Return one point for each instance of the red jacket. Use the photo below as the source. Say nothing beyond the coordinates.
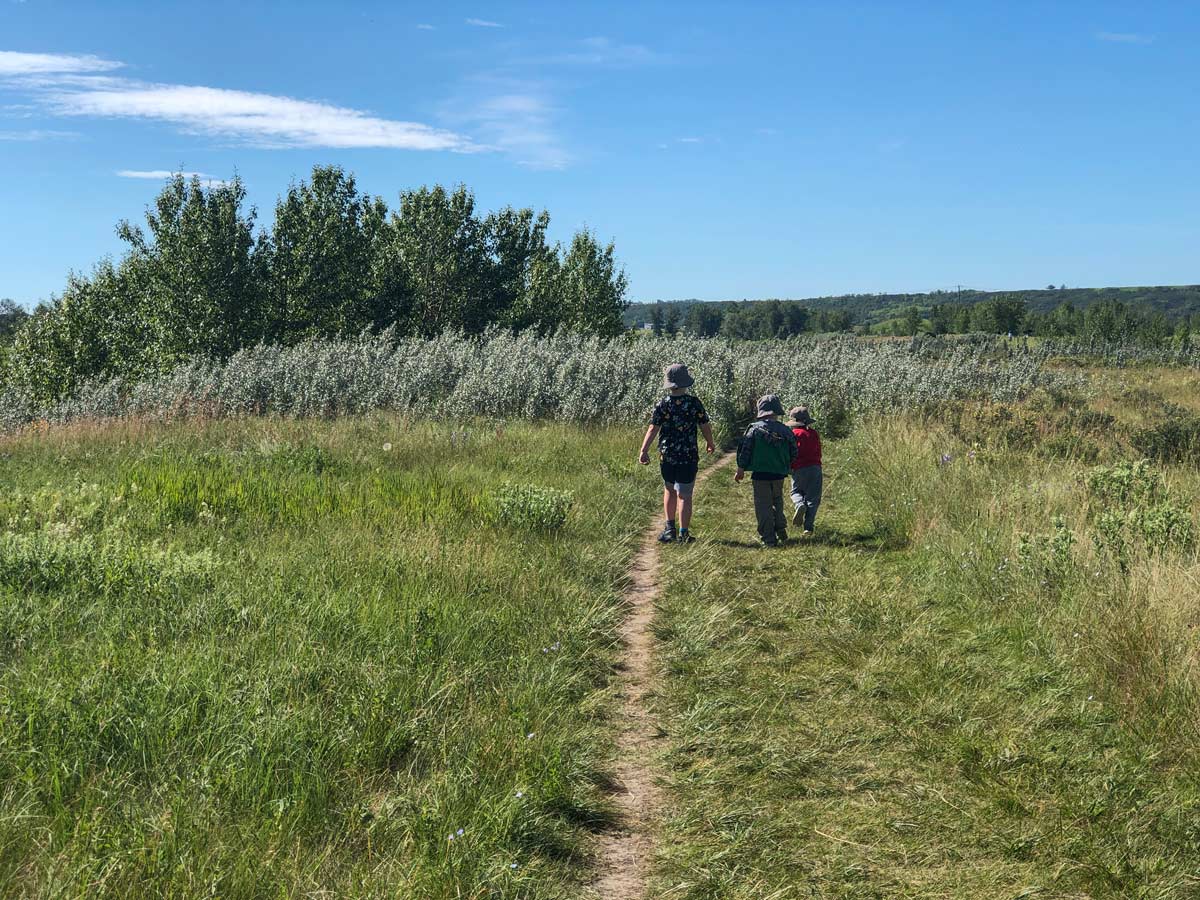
(808, 446)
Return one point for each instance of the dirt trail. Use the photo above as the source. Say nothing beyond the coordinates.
(624, 853)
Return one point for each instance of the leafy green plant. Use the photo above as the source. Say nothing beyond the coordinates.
(530, 506)
(1135, 509)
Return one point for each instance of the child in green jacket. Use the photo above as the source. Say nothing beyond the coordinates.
(766, 451)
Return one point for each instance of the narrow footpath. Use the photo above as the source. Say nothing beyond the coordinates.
(625, 852)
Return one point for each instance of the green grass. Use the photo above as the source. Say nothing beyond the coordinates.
(913, 706)
(266, 658)
(269, 659)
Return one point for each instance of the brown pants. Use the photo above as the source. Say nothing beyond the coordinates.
(768, 510)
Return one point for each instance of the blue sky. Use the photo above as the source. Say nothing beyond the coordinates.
(730, 149)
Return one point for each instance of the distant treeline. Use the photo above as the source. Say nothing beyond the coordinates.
(201, 280)
(1148, 315)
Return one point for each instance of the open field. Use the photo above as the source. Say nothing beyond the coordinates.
(265, 657)
(960, 688)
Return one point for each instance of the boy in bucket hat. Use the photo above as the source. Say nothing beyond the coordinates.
(806, 468)
(674, 420)
(766, 451)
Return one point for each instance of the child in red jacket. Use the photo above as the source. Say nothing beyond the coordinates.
(806, 468)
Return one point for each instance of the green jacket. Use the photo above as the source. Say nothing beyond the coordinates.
(767, 446)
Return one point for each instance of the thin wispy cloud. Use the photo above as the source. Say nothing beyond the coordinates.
(263, 119)
(14, 63)
(158, 174)
(513, 116)
(424, 27)
(483, 23)
(690, 140)
(59, 86)
(39, 134)
(601, 51)
(164, 174)
(1124, 37)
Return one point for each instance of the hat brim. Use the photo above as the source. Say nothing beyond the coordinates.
(679, 384)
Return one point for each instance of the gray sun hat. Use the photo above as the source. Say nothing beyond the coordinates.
(799, 415)
(769, 406)
(678, 376)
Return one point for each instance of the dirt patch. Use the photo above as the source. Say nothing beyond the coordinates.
(624, 853)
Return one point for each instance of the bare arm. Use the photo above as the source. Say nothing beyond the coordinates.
(706, 427)
(644, 453)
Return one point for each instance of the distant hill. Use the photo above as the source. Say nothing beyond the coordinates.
(867, 310)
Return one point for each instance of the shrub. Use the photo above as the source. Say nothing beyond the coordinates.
(52, 560)
(1177, 440)
(530, 506)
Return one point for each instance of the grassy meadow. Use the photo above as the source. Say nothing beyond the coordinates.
(978, 680)
(268, 659)
(372, 656)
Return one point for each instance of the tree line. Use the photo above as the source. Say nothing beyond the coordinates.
(748, 320)
(200, 279)
(1106, 320)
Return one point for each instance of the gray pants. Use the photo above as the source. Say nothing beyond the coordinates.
(768, 510)
(806, 493)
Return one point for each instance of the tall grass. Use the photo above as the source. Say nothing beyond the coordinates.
(270, 658)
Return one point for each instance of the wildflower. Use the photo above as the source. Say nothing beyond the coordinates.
(530, 735)
(387, 448)
(946, 459)
(520, 794)
(459, 832)
(512, 865)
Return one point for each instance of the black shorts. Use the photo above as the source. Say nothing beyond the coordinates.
(679, 476)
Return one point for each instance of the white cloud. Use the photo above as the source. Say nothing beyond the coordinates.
(39, 134)
(1124, 37)
(600, 51)
(14, 63)
(69, 85)
(424, 27)
(690, 140)
(483, 23)
(263, 119)
(164, 174)
(514, 116)
(158, 173)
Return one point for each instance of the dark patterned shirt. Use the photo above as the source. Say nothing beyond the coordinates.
(677, 419)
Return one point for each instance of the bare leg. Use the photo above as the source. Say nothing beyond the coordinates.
(669, 498)
(685, 512)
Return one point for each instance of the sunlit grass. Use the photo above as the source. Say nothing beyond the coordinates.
(262, 658)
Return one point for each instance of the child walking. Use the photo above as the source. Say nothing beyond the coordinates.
(806, 468)
(766, 451)
(674, 421)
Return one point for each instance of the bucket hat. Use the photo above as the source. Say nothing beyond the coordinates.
(677, 376)
(799, 415)
(769, 405)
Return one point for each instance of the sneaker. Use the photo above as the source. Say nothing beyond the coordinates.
(807, 535)
(685, 537)
(768, 543)
(668, 534)
(782, 537)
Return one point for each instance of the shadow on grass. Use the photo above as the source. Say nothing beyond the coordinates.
(877, 538)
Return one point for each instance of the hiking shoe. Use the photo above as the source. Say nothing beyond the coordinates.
(807, 535)
(769, 543)
(686, 537)
(668, 534)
